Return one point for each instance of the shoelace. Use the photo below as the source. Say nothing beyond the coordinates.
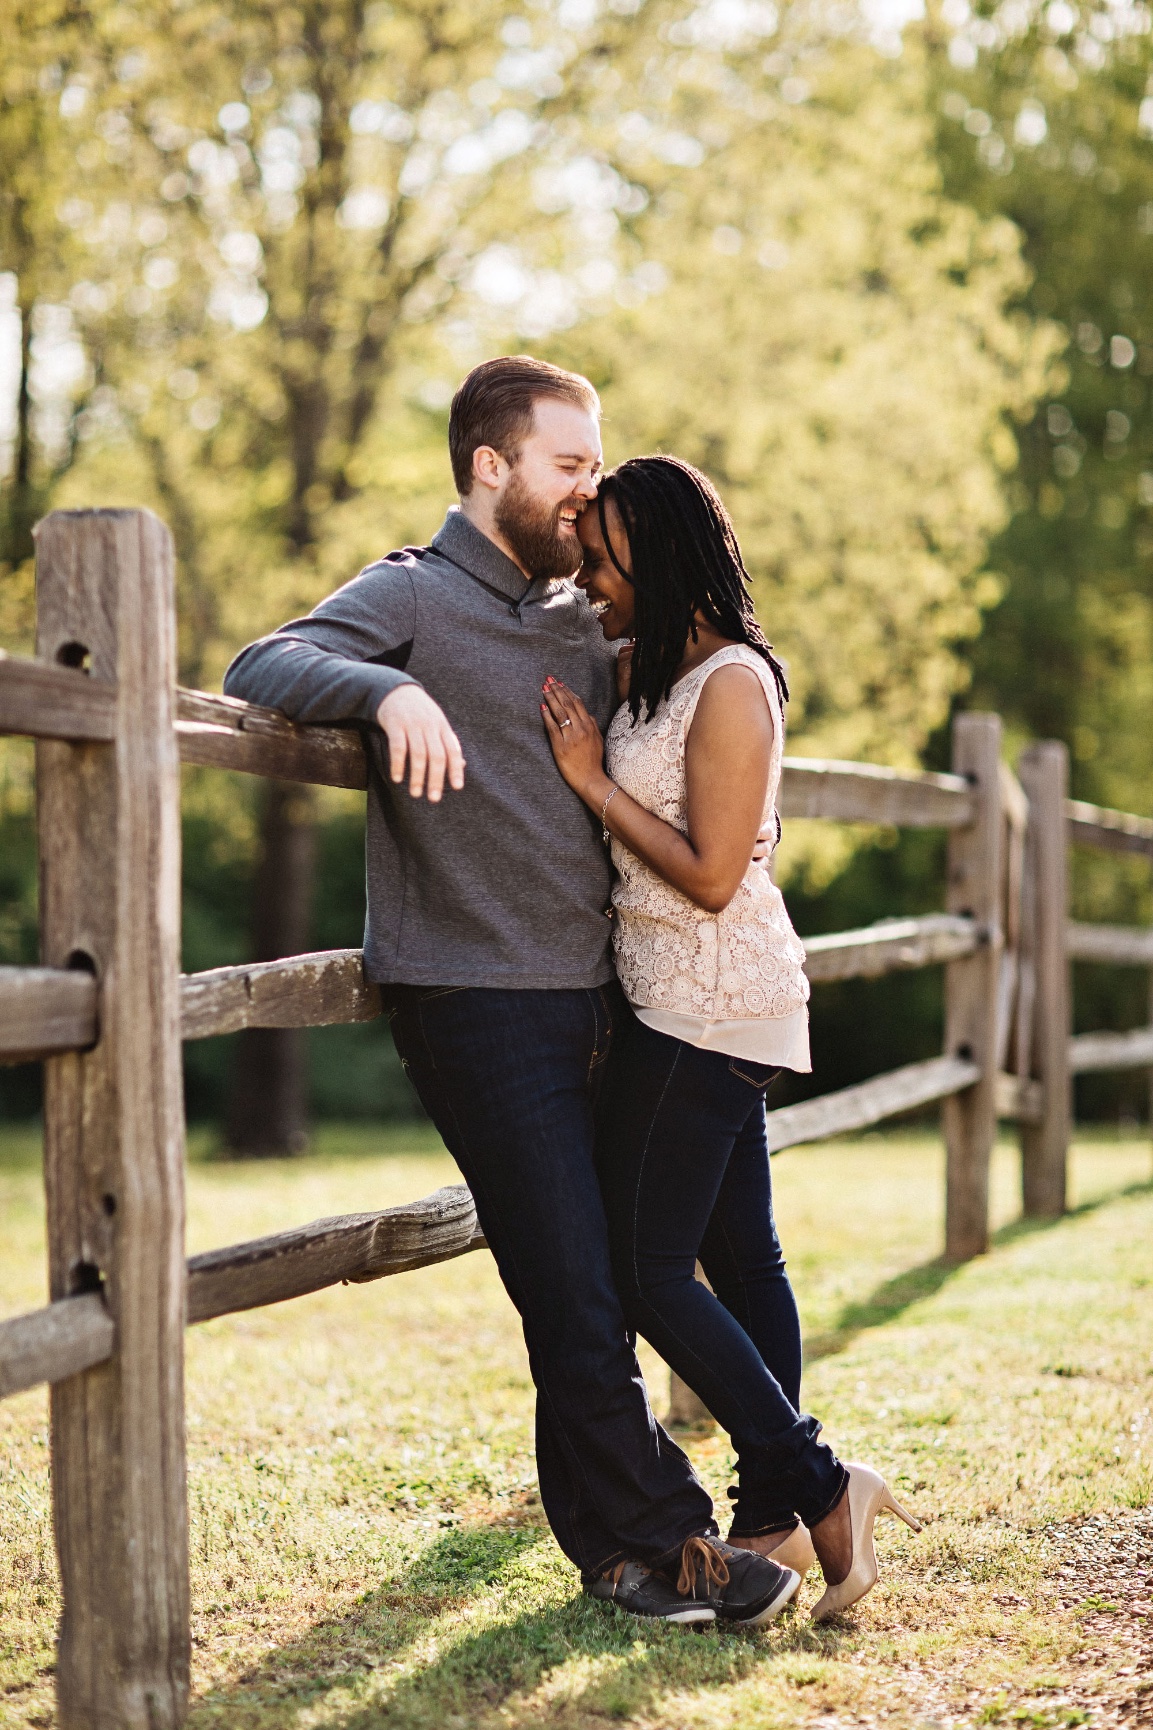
(615, 1574)
(699, 1553)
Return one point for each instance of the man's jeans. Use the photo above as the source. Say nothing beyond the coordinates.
(684, 1165)
(510, 1079)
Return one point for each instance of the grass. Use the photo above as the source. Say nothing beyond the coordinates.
(367, 1544)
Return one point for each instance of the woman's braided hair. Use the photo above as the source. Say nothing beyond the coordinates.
(685, 559)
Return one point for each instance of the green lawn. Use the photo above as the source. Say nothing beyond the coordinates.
(367, 1544)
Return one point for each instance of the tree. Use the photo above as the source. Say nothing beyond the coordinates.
(297, 227)
(1043, 116)
(33, 254)
(849, 367)
(309, 187)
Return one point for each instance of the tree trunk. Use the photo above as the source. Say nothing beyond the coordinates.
(23, 502)
(268, 1106)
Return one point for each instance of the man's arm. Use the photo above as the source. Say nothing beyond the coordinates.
(345, 662)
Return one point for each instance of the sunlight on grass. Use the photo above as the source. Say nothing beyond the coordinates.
(367, 1541)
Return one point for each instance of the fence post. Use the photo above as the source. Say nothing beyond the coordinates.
(974, 889)
(686, 1409)
(109, 835)
(1044, 771)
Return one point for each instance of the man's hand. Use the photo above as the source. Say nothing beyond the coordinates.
(418, 734)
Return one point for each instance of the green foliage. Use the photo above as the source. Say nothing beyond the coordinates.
(275, 239)
(1040, 119)
(847, 367)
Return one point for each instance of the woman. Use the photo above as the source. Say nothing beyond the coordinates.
(707, 957)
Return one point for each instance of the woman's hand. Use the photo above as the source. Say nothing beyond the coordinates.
(576, 742)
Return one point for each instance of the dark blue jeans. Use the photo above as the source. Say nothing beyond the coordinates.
(510, 1079)
(684, 1167)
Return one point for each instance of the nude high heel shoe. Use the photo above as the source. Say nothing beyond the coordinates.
(795, 1551)
(868, 1495)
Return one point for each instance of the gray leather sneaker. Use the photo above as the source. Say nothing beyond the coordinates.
(740, 1586)
(634, 1588)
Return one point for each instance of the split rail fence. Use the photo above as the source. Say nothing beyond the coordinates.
(108, 1008)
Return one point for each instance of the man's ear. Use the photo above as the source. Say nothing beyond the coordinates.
(488, 467)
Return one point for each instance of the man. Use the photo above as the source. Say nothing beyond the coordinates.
(487, 927)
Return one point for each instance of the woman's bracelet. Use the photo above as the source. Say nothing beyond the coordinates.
(613, 791)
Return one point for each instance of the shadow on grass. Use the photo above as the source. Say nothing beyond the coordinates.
(363, 1670)
(1019, 1228)
(892, 1298)
(884, 1304)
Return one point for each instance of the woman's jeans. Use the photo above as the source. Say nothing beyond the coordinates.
(684, 1165)
(510, 1079)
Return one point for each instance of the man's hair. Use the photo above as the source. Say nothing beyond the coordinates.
(494, 407)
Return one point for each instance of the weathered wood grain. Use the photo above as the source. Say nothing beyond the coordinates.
(1045, 1136)
(76, 1333)
(53, 1343)
(44, 1010)
(1090, 1051)
(971, 985)
(109, 833)
(868, 793)
(1116, 831)
(45, 700)
(869, 1102)
(888, 946)
(317, 990)
(224, 733)
(1118, 945)
(356, 1247)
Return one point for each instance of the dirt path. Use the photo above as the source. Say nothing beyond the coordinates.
(1105, 1568)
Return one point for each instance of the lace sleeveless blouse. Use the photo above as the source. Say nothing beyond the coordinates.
(744, 963)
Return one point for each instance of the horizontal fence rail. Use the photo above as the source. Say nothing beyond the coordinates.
(47, 701)
(54, 702)
(869, 1102)
(1096, 1051)
(1115, 831)
(888, 946)
(1119, 945)
(76, 1333)
(56, 1342)
(44, 701)
(318, 990)
(869, 793)
(45, 1010)
(224, 733)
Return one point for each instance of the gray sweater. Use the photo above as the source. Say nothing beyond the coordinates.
(507, 882)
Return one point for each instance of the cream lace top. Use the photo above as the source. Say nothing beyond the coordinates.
(744, 964)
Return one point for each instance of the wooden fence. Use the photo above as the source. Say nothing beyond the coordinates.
(107, 1010)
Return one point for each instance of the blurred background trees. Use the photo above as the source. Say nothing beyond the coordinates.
(882, 277)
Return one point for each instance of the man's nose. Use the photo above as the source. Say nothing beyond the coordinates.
(586, 487)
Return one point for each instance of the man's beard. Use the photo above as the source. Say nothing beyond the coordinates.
(532, 530)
